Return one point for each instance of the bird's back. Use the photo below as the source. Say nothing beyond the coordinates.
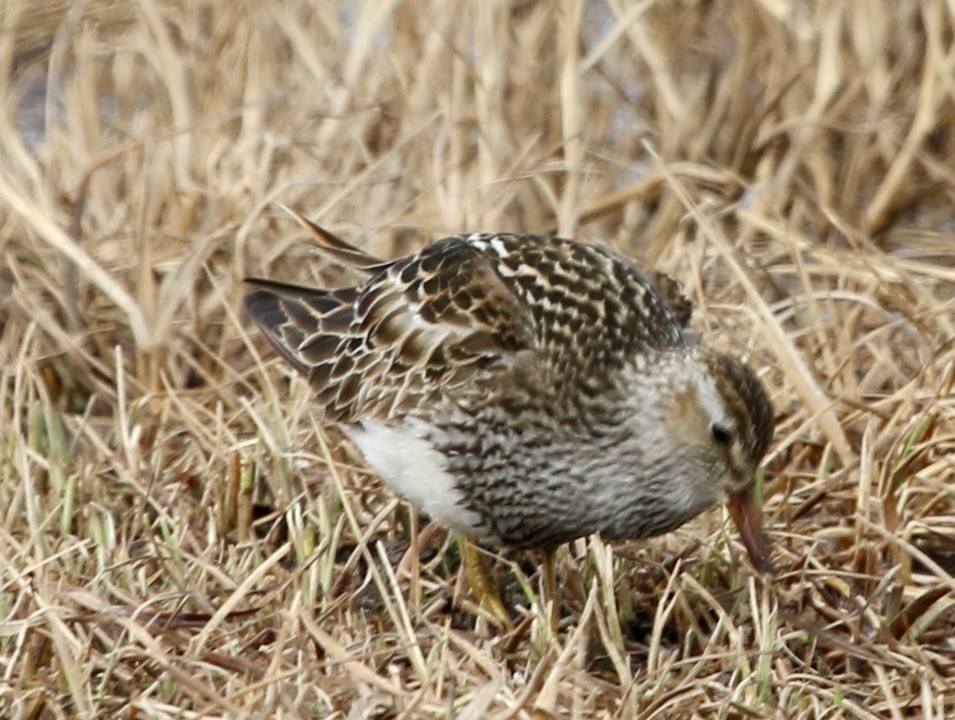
(464, 311)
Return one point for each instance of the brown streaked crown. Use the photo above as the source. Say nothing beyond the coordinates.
(746, 400)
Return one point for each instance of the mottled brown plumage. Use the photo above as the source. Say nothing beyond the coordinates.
(527, 389)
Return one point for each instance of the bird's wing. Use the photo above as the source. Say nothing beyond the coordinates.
(423, 324)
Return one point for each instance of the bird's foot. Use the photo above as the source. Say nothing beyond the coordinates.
(483, 588)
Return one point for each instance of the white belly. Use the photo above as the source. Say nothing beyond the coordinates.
(415, 470)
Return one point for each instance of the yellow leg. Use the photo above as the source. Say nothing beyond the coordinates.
(483, 588)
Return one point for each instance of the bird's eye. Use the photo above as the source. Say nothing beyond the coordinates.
(722, 434)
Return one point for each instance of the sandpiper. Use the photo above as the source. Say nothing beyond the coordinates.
(527, 390)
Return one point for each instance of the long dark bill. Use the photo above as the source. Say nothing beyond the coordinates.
(748, 516)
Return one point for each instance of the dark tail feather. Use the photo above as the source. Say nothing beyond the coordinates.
(293, 316)
(270, 314)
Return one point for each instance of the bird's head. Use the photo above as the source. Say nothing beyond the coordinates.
(718, 420)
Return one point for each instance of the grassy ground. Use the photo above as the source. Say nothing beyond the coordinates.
(181, 537)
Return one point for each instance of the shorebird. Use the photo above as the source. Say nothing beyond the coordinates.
(527, 390)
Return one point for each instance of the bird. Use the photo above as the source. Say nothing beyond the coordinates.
(527, 390)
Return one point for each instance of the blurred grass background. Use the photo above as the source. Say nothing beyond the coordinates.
(180, 537)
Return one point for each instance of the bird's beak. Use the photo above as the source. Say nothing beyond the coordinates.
(748, 517)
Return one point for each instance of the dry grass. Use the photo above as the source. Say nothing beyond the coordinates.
(181, 538)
